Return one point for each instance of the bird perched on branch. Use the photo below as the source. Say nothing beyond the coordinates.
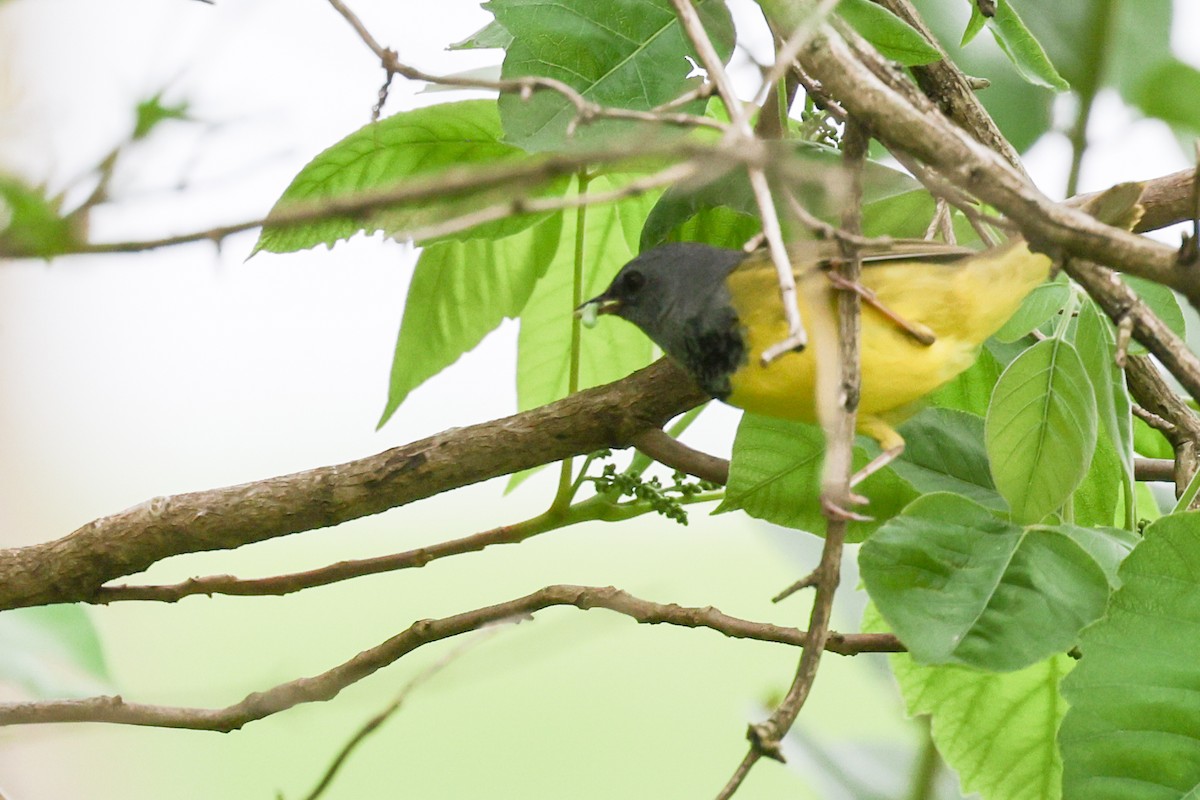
(929, 307)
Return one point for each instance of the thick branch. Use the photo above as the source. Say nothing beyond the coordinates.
(921, 130)
(73, 568)
(328, 684)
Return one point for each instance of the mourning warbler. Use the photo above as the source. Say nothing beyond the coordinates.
(714, 311)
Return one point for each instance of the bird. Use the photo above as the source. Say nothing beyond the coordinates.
(929, 308)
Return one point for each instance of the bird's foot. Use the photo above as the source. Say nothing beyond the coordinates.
(875, 464)
(834, 506)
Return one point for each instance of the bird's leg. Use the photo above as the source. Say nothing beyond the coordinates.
(916, 330)
(877, 463)
(889, 439)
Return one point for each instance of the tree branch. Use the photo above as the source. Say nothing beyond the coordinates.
(73, 568)
(327, 685)
(922, 131)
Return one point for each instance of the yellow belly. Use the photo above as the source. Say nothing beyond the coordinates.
(962, 306)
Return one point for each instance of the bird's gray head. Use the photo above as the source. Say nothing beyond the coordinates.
(677, 295)
(668, 289)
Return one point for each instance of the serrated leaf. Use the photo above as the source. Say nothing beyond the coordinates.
(995, 729)
(1041, 429)
(612, 349)
(1039, 306)
(52, 651)
(1134, 719)
(891, 36)
(624, 53)
(775, 475)
(1023, 50)
(460, 292)
(962, 586)
(413, 145)
(945, 453)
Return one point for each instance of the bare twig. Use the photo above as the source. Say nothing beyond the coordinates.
(924, 133)
(1154, 469)
(451, 183)
(73, 569)
(585, 110)
(376, 721)
(278, 585)
(766, 738)
(668, 450)
(327, 685)
(666, 177)
(741, 130)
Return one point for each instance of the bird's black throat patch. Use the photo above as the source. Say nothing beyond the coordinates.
(712, 353)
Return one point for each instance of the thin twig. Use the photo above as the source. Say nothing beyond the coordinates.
(668, 450)
(766, 738)
(585, 109)
(420, 678)
(327, 685)
(739, 131)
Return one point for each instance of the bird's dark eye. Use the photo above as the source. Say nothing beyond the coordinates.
(632, 281)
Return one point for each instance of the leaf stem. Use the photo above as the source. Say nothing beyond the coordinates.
(566, 486)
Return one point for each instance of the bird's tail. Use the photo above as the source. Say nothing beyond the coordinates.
(1002, 278)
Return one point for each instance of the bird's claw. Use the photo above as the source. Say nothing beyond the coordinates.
(835, 508)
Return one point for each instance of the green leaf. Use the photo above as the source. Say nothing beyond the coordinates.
(1114, 407)
(1023, 50)
(1134, 719)
(891, 36)
(971, 391)
(817, 180)
(460, 292)
(1171, 92)
(52, 651)
(1041, 429)
(945, 453)
(961, 586)
(1149, 442)
(1108, 547)
(775, 475)
(1162, 301)
(413, 145)
(612, 349)
(623, 53)
(490, 36)
(1099, 495)
(1022, 110)
(30, 223)
(1043, 303)
(995, 729)
(152, 112)
(974, 26)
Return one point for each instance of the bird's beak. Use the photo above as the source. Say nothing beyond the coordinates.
(601, 304)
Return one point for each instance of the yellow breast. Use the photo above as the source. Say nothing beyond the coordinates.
(962, 305)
